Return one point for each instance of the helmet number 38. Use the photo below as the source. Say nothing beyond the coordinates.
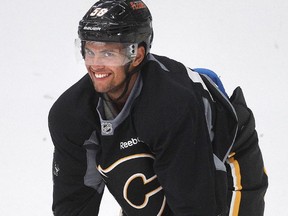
(99, 12)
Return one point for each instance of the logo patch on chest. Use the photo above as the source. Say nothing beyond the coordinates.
(107, 128)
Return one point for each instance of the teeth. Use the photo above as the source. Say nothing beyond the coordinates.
(99, 76)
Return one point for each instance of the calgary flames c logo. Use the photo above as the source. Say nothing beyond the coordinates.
(150, 187)
(138, 186)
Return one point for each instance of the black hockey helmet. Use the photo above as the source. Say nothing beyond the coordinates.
(120, 21)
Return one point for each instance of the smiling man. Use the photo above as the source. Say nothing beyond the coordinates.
(164, 139)
(111, 65)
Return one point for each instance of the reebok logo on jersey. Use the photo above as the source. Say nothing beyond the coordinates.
(129, 143)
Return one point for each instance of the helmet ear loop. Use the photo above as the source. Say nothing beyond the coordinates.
(150, 42)
(83, 43)
(129, 74)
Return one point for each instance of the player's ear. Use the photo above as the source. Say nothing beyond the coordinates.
(139, 57)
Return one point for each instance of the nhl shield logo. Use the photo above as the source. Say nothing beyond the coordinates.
(106, 128)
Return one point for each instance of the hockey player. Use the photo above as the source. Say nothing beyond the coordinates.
(163, 138)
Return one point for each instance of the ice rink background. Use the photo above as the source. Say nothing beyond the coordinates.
(245, 42)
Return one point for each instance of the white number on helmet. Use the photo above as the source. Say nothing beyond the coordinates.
(99, 12)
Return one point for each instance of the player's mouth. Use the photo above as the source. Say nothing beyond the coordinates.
(101, 75)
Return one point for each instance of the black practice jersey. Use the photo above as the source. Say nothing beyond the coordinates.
(156, 157)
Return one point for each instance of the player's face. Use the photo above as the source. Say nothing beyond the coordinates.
(106, 68)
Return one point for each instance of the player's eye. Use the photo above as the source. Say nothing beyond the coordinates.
(89, 52)
(109, 53)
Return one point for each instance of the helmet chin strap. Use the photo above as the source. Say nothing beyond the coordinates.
(128, 76)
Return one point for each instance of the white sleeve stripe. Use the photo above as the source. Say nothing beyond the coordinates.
(195, 77)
